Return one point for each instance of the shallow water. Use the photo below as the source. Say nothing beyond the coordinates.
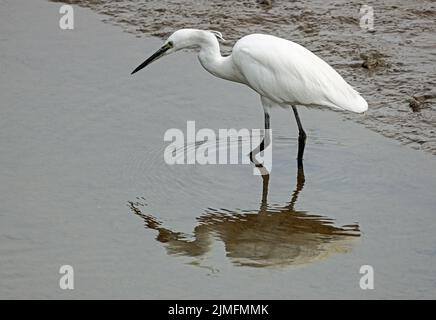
(83, 182)
(272, 236)
(404, 37)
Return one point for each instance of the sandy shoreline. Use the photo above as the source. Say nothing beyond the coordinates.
(81, 138)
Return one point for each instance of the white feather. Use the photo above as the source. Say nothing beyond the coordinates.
(287, 73)
(281, 71)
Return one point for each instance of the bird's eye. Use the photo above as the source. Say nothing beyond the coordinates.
(170, 44)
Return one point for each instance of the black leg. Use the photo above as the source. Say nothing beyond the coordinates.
(265, 185)
(262, 144)
(301, 138)
(300, 185)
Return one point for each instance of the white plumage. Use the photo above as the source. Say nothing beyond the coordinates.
(287, 73)
(283, 72)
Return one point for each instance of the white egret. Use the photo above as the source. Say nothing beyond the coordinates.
(283, 72)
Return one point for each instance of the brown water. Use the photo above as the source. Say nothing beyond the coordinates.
(83, 181)
(404, 44)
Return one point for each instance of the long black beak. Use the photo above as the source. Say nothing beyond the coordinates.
(159, 53)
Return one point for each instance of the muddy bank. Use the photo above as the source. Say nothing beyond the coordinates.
(404, 36)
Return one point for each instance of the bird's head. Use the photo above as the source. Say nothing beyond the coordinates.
(181, 39)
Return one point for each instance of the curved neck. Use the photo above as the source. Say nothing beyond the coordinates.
(211, 59)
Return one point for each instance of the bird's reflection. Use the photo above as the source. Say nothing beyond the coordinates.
(268, 237)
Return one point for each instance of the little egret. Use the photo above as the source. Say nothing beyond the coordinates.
(282, 72)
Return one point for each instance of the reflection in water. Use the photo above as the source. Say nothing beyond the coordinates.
(270, 236)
